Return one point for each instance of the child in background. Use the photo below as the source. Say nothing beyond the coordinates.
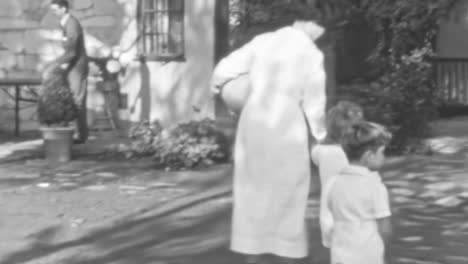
(358, 200)
(329, 156)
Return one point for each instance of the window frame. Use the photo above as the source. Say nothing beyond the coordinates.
(155, 54)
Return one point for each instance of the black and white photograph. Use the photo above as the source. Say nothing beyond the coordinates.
(234, 131)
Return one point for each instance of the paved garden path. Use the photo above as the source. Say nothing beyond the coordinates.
(98, 210)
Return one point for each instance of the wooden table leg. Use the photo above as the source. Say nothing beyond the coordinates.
(17, 110)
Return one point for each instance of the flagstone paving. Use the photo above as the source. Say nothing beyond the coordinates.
(99, 210)
(431, 212)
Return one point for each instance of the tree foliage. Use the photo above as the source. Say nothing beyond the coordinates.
(402, 25)
(403, 89)
(404, 95)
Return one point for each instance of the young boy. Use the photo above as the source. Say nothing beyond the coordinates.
(358, 200)
(329, 156)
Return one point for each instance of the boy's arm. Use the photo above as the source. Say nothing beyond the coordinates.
(384, 226)
(382, 214)
(326, 217)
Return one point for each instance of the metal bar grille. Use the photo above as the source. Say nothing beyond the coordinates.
(452, 79)
(162, 28)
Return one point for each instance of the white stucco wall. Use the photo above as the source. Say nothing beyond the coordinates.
(175, 88)
(165, 91)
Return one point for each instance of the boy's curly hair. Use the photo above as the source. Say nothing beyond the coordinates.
(339, 120)
(364, 136)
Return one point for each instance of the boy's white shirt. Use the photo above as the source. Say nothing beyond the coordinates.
(326, 217)
(330, 163)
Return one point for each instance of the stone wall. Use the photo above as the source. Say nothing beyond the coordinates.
(29, 39)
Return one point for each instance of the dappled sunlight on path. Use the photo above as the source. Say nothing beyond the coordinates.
(430, 202)
(11, 148)
(126, 212)
(194, 220)
(450, 136)
(429, 197)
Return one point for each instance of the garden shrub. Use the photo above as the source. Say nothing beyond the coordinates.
(404, 100)
(406, 91)
(55, 106)
(187, 145)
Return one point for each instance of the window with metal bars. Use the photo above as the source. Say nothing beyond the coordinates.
(161, 27)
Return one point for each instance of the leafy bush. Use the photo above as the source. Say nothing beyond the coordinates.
(404, 99)
(56, 106)
(188, 145)
(406, 94)
(143, 136)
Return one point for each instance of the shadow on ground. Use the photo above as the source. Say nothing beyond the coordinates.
(429, 201)
(194, 228)
(194, 225)
(28, 145)
(22, 163)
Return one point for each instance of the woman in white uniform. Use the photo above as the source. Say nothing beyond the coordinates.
(272, 170)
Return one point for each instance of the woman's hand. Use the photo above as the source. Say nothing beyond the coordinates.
(216, 90)
(215, 87)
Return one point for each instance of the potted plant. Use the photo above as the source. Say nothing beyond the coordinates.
(56, 109)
